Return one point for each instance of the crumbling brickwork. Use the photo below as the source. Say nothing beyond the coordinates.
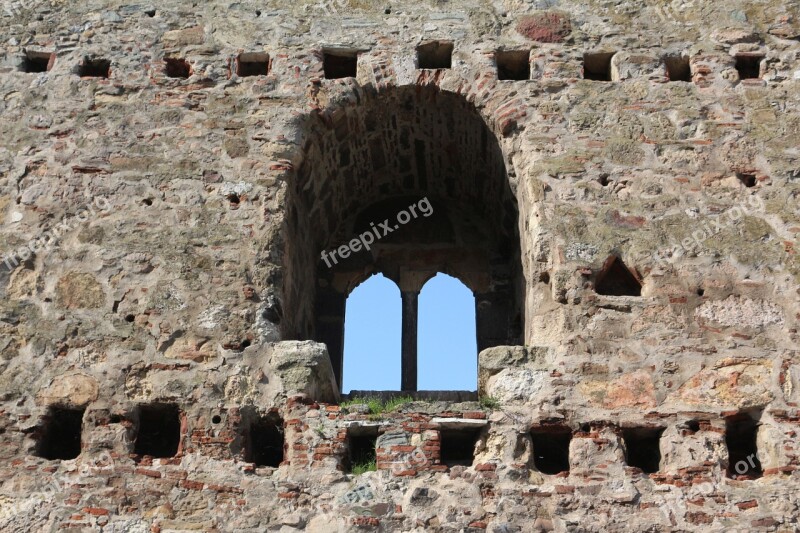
(616, 182)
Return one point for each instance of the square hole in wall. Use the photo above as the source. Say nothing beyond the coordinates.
(361, 453)
(264, 441)
(643, 448)
(741, 431)
(597, 66)
(94, 68)
(159, 430)
(34, 62)
(339, 64)
(60, 436)
(252, 64)
(458, 446)
(513, 64)
(551, 448)
(749, 66)
(678, 68)
(434, 55)
(177, 68)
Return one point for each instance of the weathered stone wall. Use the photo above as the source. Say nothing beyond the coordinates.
(151, 257)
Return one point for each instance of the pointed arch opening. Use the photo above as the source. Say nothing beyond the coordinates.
(447, 348)
(372, 336)
(406, 183)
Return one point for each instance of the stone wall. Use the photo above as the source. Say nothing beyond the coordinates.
(626, 213)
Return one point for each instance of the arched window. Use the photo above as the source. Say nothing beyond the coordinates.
(372, 336)
(409, 182)
(446, 339)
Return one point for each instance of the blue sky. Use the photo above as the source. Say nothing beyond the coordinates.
(446, 339)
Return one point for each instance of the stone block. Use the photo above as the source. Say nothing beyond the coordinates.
(304, 367)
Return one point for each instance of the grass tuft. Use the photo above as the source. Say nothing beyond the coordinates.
(377, 405)
(367, 466)
(489, 402)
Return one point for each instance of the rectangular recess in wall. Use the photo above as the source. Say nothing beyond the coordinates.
(36, 62)
(94, 68)
(643, 448)
(252, 64)
(741, 432)
(264, 441)
(339, 64)
(597, 66)
(457, 446)
(175, 67)
(435, 55)
(749, 66)
(60, 434)
(678, 68)
(158, 430)
(551, 448)
(361, 449)
(513, 64)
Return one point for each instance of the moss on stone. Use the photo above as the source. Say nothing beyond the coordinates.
(623, 151)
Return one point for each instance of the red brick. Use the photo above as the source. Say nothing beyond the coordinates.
(779, 470)
(699, 518)
(147, 472)
(192, 485)
(321, 456)
(96, 511)
(749, 504)
(626, 221)
(226, 489)
(765, 522)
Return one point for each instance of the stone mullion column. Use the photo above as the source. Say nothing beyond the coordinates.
(408, 373)
(330, 310)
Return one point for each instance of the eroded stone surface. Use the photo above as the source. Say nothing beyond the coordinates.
(160, 240)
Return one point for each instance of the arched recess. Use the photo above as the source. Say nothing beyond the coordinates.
(365, 163)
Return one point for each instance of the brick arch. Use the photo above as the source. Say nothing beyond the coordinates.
(364, 162)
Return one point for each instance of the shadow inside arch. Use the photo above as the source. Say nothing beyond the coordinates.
(366, 163)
